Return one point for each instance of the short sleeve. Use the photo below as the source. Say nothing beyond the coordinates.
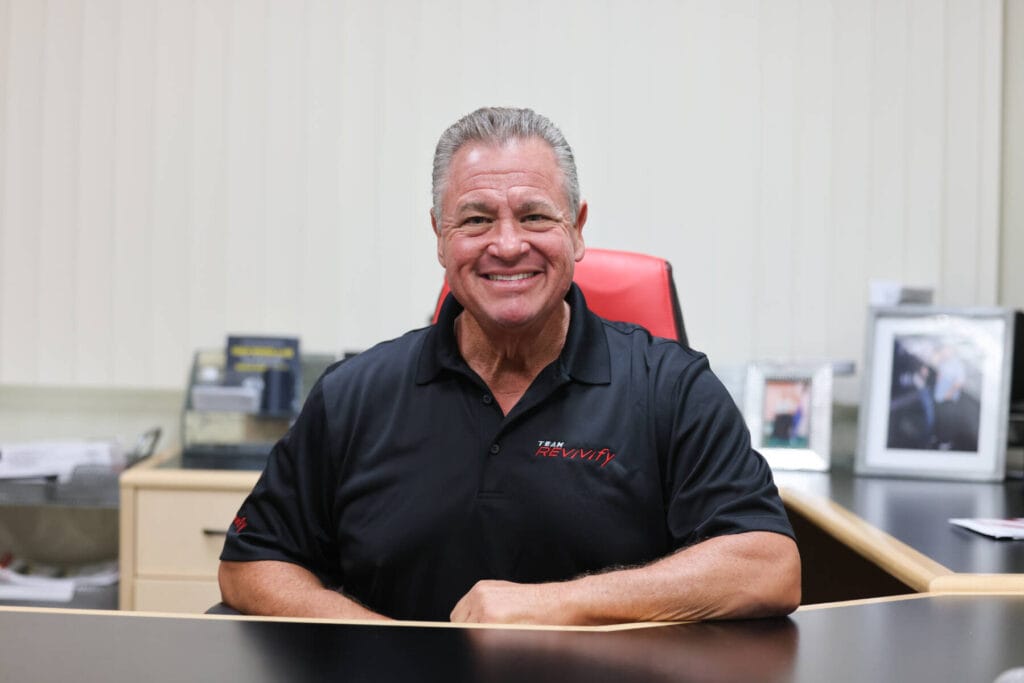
(716, 483)
(287, 515)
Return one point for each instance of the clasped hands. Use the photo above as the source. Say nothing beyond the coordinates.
(505, 602)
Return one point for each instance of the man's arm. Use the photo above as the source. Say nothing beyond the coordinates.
(752, 574)
(284, 589)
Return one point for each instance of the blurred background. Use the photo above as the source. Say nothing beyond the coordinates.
(172, 171)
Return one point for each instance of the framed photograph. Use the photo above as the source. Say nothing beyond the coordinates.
(936, 393)
(788, 409)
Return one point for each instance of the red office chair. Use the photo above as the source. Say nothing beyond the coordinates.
(628, 287)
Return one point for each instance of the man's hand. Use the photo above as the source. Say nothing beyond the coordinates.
(504, 602)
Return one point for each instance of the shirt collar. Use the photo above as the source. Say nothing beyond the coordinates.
(584, 357)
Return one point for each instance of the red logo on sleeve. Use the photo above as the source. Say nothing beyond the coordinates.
(240, 523)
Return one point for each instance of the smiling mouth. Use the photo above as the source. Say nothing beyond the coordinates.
(510, 278)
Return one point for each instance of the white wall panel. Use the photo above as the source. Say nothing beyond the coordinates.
(93, 304)
(55, 260)
(736, 168)
(173, 171)
(134, 178)
(1011, 290)
(20, 197)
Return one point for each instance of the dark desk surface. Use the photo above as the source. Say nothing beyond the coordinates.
(916, 512)
(939, 638)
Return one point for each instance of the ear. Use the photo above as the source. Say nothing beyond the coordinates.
(581, 220)
(437, 234)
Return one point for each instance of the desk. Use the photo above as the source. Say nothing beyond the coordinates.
(859, 537)
(931, 638)
(901, 525)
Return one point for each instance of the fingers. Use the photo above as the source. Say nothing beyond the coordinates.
(504, 602)
(495, 602)
(462, 613)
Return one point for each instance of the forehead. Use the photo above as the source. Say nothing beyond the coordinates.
(524, 165)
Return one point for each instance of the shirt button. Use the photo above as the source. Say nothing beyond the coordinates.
(488, 399)
(495, 448)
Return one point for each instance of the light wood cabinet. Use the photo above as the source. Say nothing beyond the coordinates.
(173, 523)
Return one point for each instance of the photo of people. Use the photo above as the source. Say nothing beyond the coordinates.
(787, 413)
(935, 397)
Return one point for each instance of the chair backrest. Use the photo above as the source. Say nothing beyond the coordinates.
(628, 287)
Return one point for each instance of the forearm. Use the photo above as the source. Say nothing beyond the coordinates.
(746, 575)
(755, 574)
(283, 589)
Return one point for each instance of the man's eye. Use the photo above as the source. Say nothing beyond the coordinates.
(476, 220)
(535, 217)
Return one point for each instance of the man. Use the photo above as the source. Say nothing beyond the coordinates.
(522, 460)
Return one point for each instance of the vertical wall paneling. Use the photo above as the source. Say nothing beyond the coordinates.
(55, 261)
(775, 265)
(990, 44)
(5, 36)
(849, 188)
(736, 222)
(94, 275)
(812, 285)
(887, 119)
(1011, 289)
(171, 172)
(203, 289)
(321, 269)
(285, 172)
(134, 159)
(173, 220)
(361, 151)
(684, 203)
(244, 258)
(924, 124)
(20, 199)
(405, 273)
(963, 153)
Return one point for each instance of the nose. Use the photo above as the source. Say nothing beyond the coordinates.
(509, 240)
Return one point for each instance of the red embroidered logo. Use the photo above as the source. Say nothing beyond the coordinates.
(557, 449)
(240, 523)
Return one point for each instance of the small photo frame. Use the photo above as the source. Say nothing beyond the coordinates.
(788, 409)
(936, 393)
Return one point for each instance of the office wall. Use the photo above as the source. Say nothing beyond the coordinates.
(174, 170)
(1011, 291)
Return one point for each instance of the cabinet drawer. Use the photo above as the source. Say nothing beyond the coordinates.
(181, 533)
(158, 595)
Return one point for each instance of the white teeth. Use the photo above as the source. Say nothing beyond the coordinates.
(509, 278)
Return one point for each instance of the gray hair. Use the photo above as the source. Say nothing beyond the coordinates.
(501, 125)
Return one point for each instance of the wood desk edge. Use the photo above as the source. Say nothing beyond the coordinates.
(149, 474)
(350, 622)
(910, 566)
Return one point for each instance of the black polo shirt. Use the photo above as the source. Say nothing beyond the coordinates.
(403, 484)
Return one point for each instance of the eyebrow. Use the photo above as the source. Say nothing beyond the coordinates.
(479, 207)
(534, 205)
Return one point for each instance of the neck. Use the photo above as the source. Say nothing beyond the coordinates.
(509, 362)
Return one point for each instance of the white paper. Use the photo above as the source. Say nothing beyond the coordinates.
(15, 586)
(54, 458)
(39, 586)
(996, 528)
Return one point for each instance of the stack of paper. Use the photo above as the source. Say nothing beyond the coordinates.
(15, 585)
(996, 528)
(55, 458)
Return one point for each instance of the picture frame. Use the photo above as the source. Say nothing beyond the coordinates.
(788, 409)
(936, 393)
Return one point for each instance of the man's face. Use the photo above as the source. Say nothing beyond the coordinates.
(506, 236)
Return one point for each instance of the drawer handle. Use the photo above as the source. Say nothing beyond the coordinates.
(215, 532)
